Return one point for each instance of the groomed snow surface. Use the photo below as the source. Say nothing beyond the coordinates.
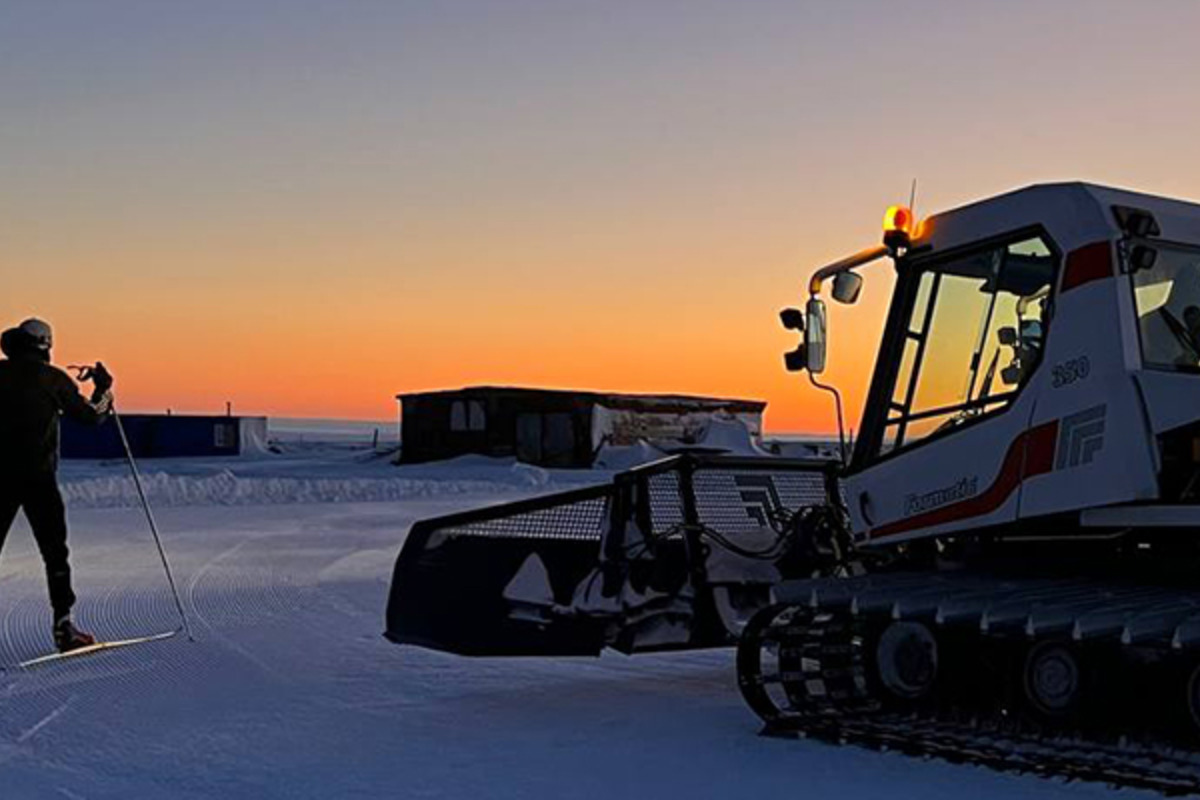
(290, 691)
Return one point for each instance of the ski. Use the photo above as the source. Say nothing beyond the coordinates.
(111, 644)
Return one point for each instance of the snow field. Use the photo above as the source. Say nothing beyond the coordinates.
(291, 692)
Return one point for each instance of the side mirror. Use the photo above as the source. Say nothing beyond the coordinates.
(846, 287)
(814, 335)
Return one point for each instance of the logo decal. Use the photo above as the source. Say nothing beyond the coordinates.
(1080, 437)
(960, 490)
(759, 497)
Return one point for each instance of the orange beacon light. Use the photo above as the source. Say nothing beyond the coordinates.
(897, 227)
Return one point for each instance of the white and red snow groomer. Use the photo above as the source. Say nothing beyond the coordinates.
(1040, 361)
(1006, 571)
(1024, 495)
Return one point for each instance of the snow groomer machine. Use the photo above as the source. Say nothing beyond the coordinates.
(1006, 569)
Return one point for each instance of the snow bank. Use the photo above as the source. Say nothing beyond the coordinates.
(628, 457)
(722, 434)
(731, 435)
(338, 472)
(330, 482)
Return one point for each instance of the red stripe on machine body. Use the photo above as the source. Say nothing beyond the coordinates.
(1030, 454)
(1092, 262)
(1040, 444)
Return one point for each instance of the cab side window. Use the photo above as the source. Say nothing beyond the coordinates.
(974, 334)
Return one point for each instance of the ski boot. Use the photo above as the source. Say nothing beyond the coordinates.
(67, 637)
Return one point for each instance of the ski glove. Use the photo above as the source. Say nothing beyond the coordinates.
(102, 378)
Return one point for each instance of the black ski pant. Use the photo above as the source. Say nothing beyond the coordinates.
(37, 494)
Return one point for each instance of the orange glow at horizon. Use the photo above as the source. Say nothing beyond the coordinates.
(306, 214)
(348, 353)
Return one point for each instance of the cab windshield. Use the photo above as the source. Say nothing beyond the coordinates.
(974, 334)
(1168, 308)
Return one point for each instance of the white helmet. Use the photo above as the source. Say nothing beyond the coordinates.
(39, 333)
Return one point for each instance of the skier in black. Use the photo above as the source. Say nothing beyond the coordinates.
(32, 396)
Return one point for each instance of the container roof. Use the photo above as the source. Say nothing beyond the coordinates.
(638, 402)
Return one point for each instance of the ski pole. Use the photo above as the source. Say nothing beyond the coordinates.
(162, 554)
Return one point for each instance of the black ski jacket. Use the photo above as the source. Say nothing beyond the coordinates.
(32, 396)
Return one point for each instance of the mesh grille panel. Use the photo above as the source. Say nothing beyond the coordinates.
(582, 519)
(666, 501)
(728, 500)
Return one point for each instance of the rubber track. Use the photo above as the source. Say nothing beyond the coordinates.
(1169, 772)
(837, 711)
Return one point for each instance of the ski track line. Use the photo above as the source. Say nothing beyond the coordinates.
(123, 612)
(209, 625)
(113, 613)
(8, 629)
(24, 616)
(137, 604)
(205, 568)
(53, 715)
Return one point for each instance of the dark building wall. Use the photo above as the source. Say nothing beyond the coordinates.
(154, 436)
(551, 429)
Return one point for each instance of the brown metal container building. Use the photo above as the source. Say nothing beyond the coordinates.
(552, 428)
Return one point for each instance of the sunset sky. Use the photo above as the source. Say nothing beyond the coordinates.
(307, 207)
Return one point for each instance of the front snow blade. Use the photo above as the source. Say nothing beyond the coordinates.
(481, 582)
(671, 555)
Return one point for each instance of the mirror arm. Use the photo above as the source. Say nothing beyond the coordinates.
(814, 287)
(857, 260)
(837, 401)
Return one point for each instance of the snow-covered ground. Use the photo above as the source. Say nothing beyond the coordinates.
(289, 690)
(303, 473)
